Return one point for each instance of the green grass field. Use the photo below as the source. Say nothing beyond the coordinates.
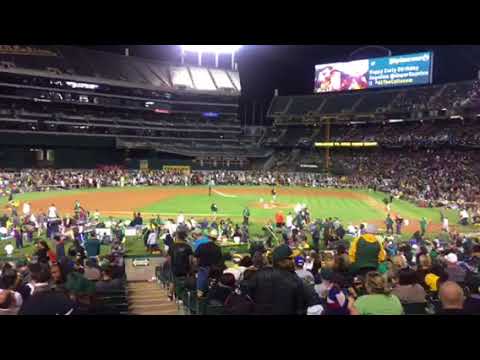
(348, 210)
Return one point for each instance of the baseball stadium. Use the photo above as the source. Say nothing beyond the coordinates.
(134, 186)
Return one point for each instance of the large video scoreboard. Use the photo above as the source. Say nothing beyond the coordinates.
(401, 70)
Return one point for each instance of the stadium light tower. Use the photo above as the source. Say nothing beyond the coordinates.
(211, 49)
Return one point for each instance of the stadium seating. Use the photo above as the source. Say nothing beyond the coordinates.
(304, 104)
(111, 67)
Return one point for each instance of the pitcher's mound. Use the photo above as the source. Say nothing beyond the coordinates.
(271, 205)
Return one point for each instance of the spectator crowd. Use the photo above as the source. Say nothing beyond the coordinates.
(371, 275)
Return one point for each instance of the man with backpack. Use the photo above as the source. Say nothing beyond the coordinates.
(278, 290)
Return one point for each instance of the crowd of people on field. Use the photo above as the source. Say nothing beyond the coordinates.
(66, 275)
(370, 275)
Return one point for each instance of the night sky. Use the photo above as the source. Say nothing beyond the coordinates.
(290, 68)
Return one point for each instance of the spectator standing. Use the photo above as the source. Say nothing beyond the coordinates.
(246, 215)
(208, 255)
(278, 290)
(181, 260)
(198, 238)
(366, 253)
(92, 246)
(303, 274)
(59, 246)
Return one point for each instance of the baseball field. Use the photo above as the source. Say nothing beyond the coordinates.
(350, 206)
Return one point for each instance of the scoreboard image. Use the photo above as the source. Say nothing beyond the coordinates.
(391, 71)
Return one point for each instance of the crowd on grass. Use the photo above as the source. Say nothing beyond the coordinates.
(370, 275)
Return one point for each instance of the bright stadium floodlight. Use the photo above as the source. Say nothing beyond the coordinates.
(211, 49)
(214, 49)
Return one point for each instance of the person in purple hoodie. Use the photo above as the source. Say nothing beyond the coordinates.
(17, 234)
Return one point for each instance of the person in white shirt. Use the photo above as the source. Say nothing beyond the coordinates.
(351, 230)
(152, 240)
(445, 224)
(464, 217)
(26, 209)
(193, 223)
(180, 219)
(298, 208)
(52, 212)
(289, 220)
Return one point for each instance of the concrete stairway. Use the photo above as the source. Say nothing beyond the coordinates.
(148, 298)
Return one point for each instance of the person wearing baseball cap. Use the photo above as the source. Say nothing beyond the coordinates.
(198, 238)
(278, 290)
(455, 272)
(303, 274)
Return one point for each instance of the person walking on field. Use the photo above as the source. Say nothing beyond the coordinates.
(423, 225)
(214, 210)
(444, 220)
(389, 224)
(246, 215)
(274, 194)
(211, 183)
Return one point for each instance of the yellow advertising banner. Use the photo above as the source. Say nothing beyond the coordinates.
(144, 165)
(177, 168)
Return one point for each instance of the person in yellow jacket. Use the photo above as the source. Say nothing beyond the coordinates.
(366, 253)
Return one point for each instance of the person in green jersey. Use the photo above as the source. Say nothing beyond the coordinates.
(423, 225)
(246, 215)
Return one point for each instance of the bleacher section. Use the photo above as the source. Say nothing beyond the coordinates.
(339, 104)
(304, 104)
(279, 104)
(89, 65)
(426, 116)
(434, 97)
(371, 102)
(136, 103)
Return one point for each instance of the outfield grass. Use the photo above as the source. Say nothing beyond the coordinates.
(320, 207)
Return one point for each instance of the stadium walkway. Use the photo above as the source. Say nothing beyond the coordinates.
(147, 298)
